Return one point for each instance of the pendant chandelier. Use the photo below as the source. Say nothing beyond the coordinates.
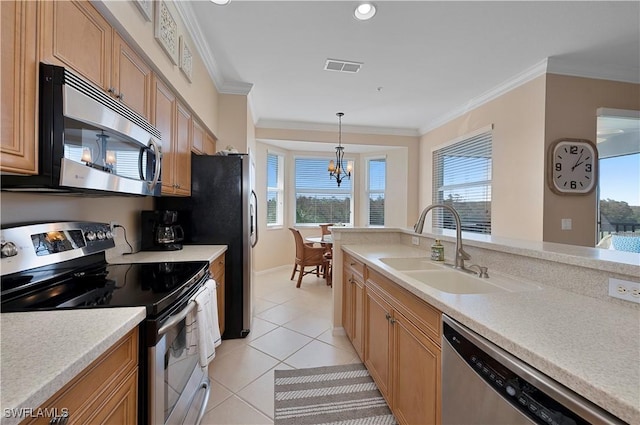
(336, 168)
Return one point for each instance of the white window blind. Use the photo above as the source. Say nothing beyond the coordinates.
(319, 200)
(462, 179)
(377, 170)
(275, 189)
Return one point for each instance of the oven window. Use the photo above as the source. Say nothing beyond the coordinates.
(180, 359)
(107, 151)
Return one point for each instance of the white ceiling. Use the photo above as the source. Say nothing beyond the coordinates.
(423, 61)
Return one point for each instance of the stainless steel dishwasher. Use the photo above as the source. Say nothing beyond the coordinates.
(483, 384)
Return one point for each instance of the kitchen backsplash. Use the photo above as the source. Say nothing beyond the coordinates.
(125, 210)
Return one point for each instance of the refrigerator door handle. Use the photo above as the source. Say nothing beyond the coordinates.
(254, 219)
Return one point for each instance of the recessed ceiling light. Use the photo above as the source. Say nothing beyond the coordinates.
(365, 11)
(221, 2)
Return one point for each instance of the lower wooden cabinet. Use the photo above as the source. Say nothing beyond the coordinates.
(353, 302)
(401, 344)
(106, 392)
(216, 268)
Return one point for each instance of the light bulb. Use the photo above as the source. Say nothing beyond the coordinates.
(332, 166)
(349, 167)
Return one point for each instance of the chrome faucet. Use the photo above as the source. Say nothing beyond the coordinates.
(461, 255)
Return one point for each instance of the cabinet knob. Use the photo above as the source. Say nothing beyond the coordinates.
(121, 96)
(387, 316)
(392, 320)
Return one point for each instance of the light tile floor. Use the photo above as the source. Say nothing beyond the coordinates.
(291, 329)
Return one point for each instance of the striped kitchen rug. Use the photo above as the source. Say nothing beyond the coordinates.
(344, 395)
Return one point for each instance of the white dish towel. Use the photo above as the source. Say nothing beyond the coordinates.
(207, 318)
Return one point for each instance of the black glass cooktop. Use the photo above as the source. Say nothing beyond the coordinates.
(154, 285)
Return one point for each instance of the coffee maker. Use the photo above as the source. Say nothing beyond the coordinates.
(160, 231)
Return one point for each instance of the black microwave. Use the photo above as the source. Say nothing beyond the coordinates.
(90, 142)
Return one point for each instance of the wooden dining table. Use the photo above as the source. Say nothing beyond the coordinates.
(319, 239)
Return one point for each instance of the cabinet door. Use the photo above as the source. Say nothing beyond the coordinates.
(164, 104)
(75, 35)
(131, 78)
(182, 156)
(209, 144)
(217, 271)
(120, 409)
(377, 351)
(416, 374)
(358, 317)
(197, 137)
(19, 72)
(347, 302)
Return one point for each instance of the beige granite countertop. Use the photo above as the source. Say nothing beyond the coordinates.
(187, 253)
(589, 345)
(42, 351)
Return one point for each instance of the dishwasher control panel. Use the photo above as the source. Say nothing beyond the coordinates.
(523, 394)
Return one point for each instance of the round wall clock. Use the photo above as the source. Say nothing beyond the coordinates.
(572, 166)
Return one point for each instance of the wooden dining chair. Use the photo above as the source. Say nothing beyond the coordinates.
(307, 256)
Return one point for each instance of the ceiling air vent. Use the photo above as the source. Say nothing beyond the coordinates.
(342, 66)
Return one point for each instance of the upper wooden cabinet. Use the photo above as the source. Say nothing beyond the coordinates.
(174, 122)
(209, 144)
(19, 72)
(131, 80)
(75, 35)
(182, 152)
(203, 143)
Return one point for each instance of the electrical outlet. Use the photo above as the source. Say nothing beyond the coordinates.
(113, 225)
(624, 290)
(415, 240)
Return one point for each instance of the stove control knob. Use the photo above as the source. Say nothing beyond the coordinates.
(90, 235)
(9, 249)
(101, 235)
(109, 234)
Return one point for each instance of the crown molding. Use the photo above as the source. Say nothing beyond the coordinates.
(310, 126)
(549, 65)
(235, 87)
(191, 26)
(600, 72)
(525, 76)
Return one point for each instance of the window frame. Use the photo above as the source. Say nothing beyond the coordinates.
(439, 188)
(294, 193)
(279, 189)
(369, 192)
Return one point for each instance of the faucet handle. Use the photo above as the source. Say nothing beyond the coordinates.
(482, 270)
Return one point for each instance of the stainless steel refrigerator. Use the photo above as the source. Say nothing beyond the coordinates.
(222, 211)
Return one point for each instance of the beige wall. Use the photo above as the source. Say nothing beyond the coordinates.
(201, 94)
(518, 158)
(276, 247)
(571, 106)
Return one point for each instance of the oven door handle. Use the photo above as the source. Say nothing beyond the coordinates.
(207, 387)
(176, 318)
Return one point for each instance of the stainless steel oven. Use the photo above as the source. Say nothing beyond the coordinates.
(179, 386)
(62, 266)
(89, 142)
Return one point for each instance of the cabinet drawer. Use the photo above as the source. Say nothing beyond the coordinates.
(217, 267)
(424, 316)
(356, 266)
(93, 386)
